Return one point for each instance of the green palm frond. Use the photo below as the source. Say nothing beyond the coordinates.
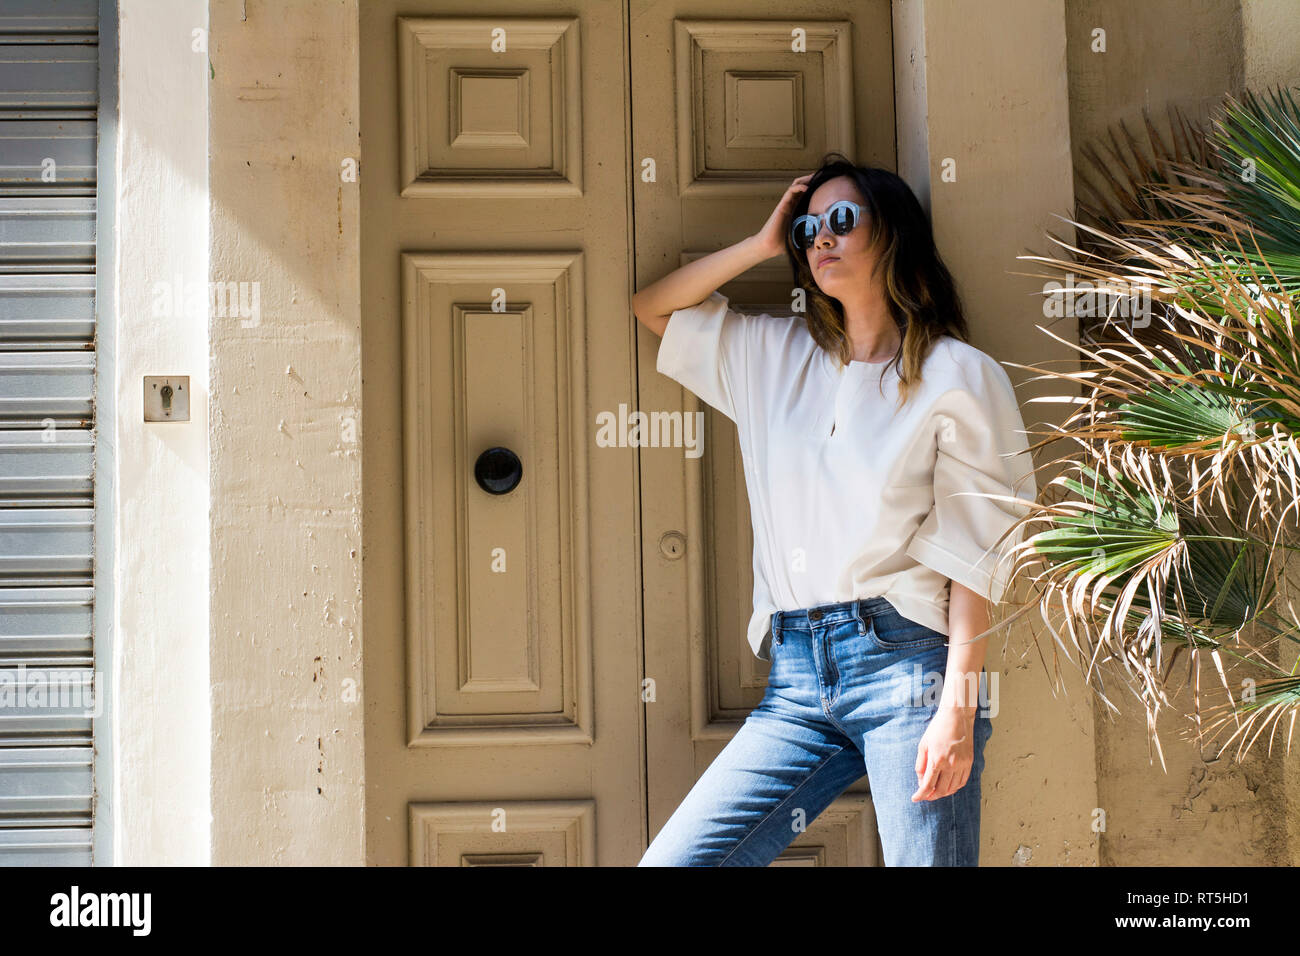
(1166, 529)
(1258, 142)
(1251, 186)
(1177, 416)
(1269, 703)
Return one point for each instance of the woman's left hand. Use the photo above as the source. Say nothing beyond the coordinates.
(945, 754)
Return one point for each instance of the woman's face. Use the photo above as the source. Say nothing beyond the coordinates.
(840, 263)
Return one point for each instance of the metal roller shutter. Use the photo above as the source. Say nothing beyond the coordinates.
(49, 56)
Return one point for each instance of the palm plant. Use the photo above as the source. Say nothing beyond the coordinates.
(1166, 528)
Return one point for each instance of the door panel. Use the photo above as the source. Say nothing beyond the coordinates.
(503, 664)
(503, 718)
(727, 112)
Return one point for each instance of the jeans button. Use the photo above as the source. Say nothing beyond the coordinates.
(814, 615)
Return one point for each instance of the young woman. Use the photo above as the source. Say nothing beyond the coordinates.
(865, 420)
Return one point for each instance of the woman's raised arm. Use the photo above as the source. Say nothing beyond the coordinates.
(693, 282)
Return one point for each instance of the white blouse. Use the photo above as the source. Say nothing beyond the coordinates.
(848, 497)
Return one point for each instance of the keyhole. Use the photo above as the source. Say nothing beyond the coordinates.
(167, 398)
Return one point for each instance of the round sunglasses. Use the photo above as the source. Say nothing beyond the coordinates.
(842, 217)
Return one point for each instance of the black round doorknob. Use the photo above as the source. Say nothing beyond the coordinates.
(498, 470)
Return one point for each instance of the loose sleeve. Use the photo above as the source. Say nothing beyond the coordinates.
(703, 349)
(981, 449)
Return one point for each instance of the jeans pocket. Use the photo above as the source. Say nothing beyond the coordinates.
(774, 646)
(892, 631)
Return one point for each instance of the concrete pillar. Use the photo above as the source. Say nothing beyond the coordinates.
(984, 139)
(287, 729)
(152, 756)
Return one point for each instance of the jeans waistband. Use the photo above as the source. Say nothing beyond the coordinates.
(806, 618)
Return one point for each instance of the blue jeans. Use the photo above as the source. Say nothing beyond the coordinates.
(852, 688)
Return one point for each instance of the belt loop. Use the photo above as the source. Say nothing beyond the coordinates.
(858, 613)
(776, 627)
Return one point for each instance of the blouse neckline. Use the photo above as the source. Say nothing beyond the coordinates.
(831, 365)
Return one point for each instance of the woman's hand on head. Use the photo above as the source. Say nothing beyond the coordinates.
(771, 238)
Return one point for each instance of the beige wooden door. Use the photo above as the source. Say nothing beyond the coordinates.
(727, 111)
(502, 630)
(550, 663)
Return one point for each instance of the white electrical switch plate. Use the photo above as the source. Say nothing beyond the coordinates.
(167, 398)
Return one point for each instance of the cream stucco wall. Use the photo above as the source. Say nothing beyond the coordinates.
(1270, 54)
(287, 736)
(234, 728)
(153, 772)
(983, 120)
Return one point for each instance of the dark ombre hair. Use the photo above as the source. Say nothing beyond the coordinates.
(919, 290)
